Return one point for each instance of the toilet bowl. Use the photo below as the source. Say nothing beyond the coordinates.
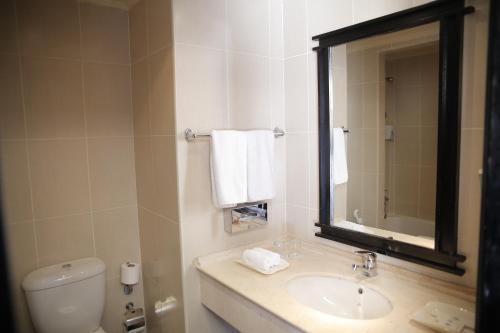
(67, 297)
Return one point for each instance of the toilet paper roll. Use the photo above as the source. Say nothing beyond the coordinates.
(130, 273)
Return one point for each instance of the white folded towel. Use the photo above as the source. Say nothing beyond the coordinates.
(261, 259)
(273, 255)
(228, 167)
(339, 157)
(260, 157)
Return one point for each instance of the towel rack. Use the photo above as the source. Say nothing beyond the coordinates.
(191, 135)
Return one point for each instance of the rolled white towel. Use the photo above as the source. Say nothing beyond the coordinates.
(259, 259)
(275, 257)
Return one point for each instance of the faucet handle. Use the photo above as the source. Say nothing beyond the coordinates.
(369, 258)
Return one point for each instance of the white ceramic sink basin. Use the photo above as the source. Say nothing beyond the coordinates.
(339, 297)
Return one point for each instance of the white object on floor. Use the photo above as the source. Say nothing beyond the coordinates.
(339, 157)
(260, 159)
(228, 167)
(444, 317)
(281, 266)
(263, 259)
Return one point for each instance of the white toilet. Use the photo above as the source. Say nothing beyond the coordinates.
(68, 297)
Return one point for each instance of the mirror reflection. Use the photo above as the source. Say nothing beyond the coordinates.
(385, 94)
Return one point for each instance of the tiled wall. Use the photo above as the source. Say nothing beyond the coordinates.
(411, 158)
(364, 120)
(155, 159)
(67, 142)
(306, 18)
(229, 74)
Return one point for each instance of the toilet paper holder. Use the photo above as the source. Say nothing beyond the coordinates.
(130, 274)
(134, 320)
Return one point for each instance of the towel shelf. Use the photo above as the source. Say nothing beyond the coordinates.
(191, 135)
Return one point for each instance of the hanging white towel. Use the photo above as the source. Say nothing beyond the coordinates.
(260, 148)
(339, 157)
(228, 167)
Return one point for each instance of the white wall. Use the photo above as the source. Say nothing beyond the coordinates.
(306, 18)
(229, 74)
(241, 64)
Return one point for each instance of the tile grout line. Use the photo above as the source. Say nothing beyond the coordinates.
(84, 107)
(26, 148)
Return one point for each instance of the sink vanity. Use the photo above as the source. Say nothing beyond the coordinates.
(320, 292)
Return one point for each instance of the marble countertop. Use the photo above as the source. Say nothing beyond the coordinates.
(407, 291)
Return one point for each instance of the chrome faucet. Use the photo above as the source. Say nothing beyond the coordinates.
(369, 263)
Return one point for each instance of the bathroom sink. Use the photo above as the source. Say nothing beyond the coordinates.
(339, 297)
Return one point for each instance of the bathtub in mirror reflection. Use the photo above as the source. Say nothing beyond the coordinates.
(390, 86)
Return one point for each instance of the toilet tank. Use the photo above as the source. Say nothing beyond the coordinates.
(67, 297)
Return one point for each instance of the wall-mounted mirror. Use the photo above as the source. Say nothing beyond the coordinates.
(390, 84)
(389, 133)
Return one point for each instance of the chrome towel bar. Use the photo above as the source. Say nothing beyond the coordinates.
(191, 135)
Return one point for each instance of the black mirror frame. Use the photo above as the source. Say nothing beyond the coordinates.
(449, 13)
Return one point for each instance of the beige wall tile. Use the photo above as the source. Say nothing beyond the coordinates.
(21, 250)
(355, 106)
(429, 100)
(295, 27)
(200, 23)
(49, 28)
(408, 71)
(117, 238)
(104, 34)
(138, 31)
(313, 172)
(53, 97)
(108, 105)
(370, 197)
(427, 200)
(15, 182)
(22, 259)
(407, 104)
(8, 26)
(370, 150)
(370, 105)
(144, 172)
(64, 238)
(355, 149)
(165, 176)
(407, 184)
(428, 148)
(355, 66)
(140, 98)
(115, 304)
(159, 24)
(248, 92)
(11, 103)
(161, 84)
(249, 22)
(195, 192)
(297, 170)
(112, 174)
(201, 81)
(407, 145)
(296, 94)
(59, 177)
(21, 313)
